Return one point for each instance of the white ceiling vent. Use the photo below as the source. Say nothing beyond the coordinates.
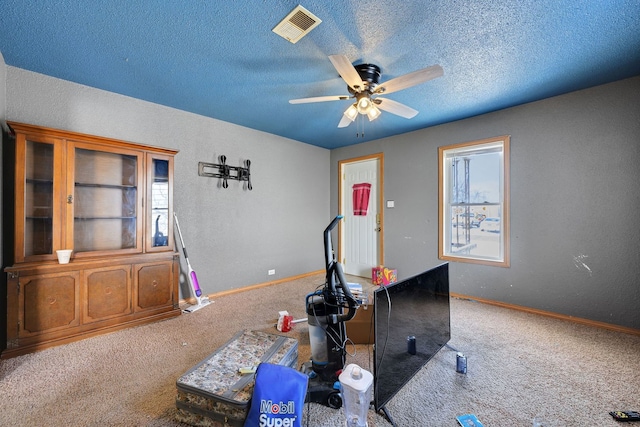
(297, 24)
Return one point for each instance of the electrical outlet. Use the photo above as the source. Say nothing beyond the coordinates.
(271, 272)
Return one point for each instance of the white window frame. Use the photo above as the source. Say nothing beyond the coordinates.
(446, 205)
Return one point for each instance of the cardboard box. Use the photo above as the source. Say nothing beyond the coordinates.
(383, 276)
(360, 328)
(356, 291)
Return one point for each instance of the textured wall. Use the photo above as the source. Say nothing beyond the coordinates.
(3, 113)
(574, 203)
(3, 88)
(3, 278)
(233, 236)
(574, 238)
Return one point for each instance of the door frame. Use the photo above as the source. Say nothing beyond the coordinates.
(341, 191)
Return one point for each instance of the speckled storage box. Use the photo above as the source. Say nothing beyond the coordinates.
(215, 394)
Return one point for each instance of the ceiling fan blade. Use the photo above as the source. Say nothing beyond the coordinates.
(347, 71)
(410, 79)
(344, 122)
(318, 99)
(394, 107)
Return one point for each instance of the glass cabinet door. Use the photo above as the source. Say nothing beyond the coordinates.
(38, 184)
(105, 200)
(159, 203)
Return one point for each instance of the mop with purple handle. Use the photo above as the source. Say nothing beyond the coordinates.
(191, 277)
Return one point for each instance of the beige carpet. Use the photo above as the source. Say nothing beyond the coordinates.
(519, 365)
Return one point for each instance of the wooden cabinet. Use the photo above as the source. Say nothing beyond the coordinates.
(109, 201)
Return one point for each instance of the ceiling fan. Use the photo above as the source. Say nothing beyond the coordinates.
(363, 86)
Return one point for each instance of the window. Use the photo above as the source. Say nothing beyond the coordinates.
(473, 202)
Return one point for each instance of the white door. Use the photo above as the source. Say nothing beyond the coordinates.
(361, 226)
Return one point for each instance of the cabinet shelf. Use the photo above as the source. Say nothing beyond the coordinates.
(39, 181)
(113, 186)
(76, 218)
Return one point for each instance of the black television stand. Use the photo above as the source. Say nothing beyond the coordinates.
(387, 415)
(452, 348)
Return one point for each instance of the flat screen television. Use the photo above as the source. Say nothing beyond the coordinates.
(416, 307)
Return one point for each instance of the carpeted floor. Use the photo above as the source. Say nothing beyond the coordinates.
(520, 366)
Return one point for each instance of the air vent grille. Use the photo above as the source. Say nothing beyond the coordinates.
(302, 20)
(297, 24)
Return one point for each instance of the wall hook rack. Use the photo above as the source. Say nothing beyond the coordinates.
(226, 172)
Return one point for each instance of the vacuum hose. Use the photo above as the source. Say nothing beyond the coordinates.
(351, 301)
(334, 270)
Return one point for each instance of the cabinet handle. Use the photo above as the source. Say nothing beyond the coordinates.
(70, 199)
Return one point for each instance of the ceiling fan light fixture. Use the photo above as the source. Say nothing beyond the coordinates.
(363, 86)
(373, 113)
(364, 105)
(351, 112)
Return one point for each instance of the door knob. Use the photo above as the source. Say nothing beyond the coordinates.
(378, 229)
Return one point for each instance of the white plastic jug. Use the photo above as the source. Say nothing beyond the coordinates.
(356, 383)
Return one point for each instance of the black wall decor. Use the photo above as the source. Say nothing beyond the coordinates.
(226, 172)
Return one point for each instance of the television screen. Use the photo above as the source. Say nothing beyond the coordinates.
(411, 324)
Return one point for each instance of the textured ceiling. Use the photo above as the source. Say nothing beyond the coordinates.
(221, 59)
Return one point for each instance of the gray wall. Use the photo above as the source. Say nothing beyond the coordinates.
(3, 88)
(233, 236)
(3, 277)
(575, 165)
(574, 201)
(3, 114)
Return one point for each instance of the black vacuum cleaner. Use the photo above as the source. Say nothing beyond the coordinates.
(327, 333)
